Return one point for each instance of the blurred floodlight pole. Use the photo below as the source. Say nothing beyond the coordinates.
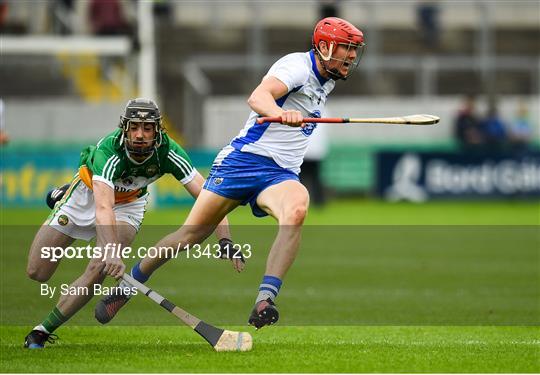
(372, 58)
(147, 53)
(147, 59)
(485, 47)
(256, 41)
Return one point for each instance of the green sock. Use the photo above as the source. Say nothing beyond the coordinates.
(54, 320)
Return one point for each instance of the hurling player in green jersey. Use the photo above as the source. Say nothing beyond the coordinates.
(107, 199)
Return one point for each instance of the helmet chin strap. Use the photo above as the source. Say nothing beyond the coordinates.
(128, 153)
(335, 74)
(330, 51)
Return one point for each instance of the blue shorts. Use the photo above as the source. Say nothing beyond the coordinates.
(242, 176)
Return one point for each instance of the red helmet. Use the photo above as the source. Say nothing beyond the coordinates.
(334, 31)
(337, 31)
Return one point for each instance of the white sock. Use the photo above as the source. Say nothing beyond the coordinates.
(264, 295)
(42, 329)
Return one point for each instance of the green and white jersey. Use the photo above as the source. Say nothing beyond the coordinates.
(108, 162)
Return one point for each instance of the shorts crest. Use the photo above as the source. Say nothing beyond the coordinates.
(63, 220)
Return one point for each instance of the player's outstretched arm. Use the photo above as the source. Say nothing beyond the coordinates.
(106, 229)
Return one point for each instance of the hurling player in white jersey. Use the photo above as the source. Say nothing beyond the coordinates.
(261, 165)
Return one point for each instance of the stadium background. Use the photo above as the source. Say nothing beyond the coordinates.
(64, 85)
(201, 59)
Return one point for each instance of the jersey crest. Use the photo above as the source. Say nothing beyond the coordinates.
(311, 126)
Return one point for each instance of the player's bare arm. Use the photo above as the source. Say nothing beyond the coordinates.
(106, 228)
(263, 101)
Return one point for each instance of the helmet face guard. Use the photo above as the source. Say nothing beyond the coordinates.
(335, 32)
(352, 65)
(141, 111)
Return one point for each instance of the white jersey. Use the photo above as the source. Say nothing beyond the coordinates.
(307, 92)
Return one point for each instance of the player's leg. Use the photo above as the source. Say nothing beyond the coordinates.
(288, 203)
(69, 304)
(39, 268)
(57, 231)
(74, 216)
(207, 212)
(93, 275)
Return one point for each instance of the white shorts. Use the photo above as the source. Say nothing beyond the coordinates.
(75, 214)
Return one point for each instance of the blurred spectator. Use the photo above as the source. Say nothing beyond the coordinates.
(428, 23)
(494, 129)
(162, 9)
(3, 136)
(12, 17)
(106, 18)
(468, 131)
(521, 129)
(328, 8)
(62, 16)
(3, 13)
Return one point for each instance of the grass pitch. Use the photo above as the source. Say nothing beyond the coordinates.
(460, 302)
(282, 349)
(350, 212)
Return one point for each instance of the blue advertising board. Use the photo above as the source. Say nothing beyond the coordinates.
(420, 176)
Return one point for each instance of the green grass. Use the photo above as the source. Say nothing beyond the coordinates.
(377, 287)
(354, 211)
(282, 349)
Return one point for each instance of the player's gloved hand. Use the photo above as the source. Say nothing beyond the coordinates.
(227, 250)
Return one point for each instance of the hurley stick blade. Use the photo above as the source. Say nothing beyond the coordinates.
(223, 340)
(232, 341)
(422, 119)
(220, 339)
(403, 120)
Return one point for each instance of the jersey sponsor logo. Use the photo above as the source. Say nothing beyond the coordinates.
(151, 170)
(63, 220)
(132, 183)
(121, 189)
